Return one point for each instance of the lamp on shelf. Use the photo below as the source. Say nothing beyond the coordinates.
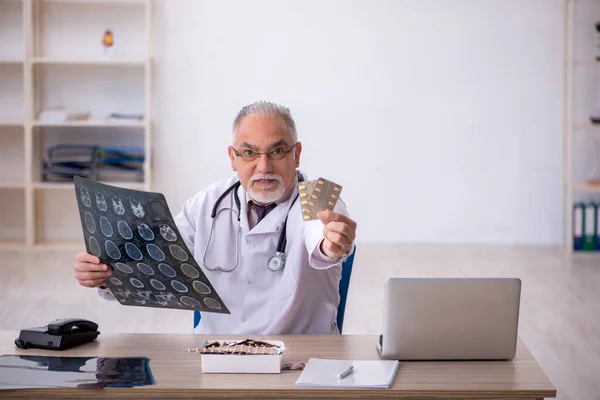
(108, 43)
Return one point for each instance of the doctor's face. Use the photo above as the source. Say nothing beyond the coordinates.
(265, 177)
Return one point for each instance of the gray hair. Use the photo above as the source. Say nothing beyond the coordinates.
(266, 109)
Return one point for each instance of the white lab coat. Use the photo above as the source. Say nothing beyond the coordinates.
(302, 298)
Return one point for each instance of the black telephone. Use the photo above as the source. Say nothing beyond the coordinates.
(60, 334)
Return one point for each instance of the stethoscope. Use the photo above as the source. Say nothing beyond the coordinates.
(276, 261)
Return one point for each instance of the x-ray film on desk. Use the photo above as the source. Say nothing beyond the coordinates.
(134, 233)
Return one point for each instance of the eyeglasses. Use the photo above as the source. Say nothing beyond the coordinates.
(278, 153)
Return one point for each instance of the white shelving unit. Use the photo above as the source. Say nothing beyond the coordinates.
(51, 55)
(582, 100)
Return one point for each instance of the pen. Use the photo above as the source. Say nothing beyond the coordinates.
(346, 373)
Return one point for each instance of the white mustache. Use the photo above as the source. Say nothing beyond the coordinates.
(266, 176)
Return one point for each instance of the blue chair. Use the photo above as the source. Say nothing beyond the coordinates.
(344, 285)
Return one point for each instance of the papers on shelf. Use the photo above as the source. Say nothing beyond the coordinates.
(125, 117)
(61, 115)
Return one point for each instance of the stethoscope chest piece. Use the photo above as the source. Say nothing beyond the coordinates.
(276, 261)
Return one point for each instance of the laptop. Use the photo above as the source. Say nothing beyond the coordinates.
(450, 318)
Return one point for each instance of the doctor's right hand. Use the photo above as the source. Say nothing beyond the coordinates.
(89, 271)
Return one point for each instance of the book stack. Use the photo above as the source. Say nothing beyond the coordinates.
(105, 164)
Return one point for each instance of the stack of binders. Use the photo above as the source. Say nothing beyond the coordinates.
(586, 221)
(106, 164)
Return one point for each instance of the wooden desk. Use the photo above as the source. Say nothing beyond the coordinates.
(178, 374)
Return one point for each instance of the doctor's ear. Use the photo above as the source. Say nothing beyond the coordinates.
(297, 152)
(232, 158)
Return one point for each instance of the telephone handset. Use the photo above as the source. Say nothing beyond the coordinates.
(60, 334)
(71, 325)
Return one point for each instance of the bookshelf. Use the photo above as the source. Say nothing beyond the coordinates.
(89, 123)
(582, 100)
(51, 56)
(66, 61)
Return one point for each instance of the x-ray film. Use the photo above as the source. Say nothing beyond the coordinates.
(29, 372)
(133, 232)
(316, 196)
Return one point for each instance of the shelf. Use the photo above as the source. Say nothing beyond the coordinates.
(586, 188)
(51, 55)
(60, 245)
(12, 95)
(9, 244)
(11, 123)
(12, 158)
(586, 254)
(90, 61)
(85, 2)
(12, 43)
(10, 61)
(69, 185)
(12, 215)
(586, 63)
(579, 126)
(92, 123)
(12, 185)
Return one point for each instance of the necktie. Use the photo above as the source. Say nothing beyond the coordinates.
(262, 211)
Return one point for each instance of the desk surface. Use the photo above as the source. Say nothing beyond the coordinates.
(178, 374)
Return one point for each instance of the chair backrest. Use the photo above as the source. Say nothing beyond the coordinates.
(344, 285)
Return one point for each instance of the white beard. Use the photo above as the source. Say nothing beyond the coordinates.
(266, 197)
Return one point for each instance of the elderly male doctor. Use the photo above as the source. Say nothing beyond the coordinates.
(235, 249)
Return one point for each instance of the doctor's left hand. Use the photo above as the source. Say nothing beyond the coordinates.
(339, 232)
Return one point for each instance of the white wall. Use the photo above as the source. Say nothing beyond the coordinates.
(448, 112)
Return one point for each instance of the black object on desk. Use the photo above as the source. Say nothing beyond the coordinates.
(60, 334)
